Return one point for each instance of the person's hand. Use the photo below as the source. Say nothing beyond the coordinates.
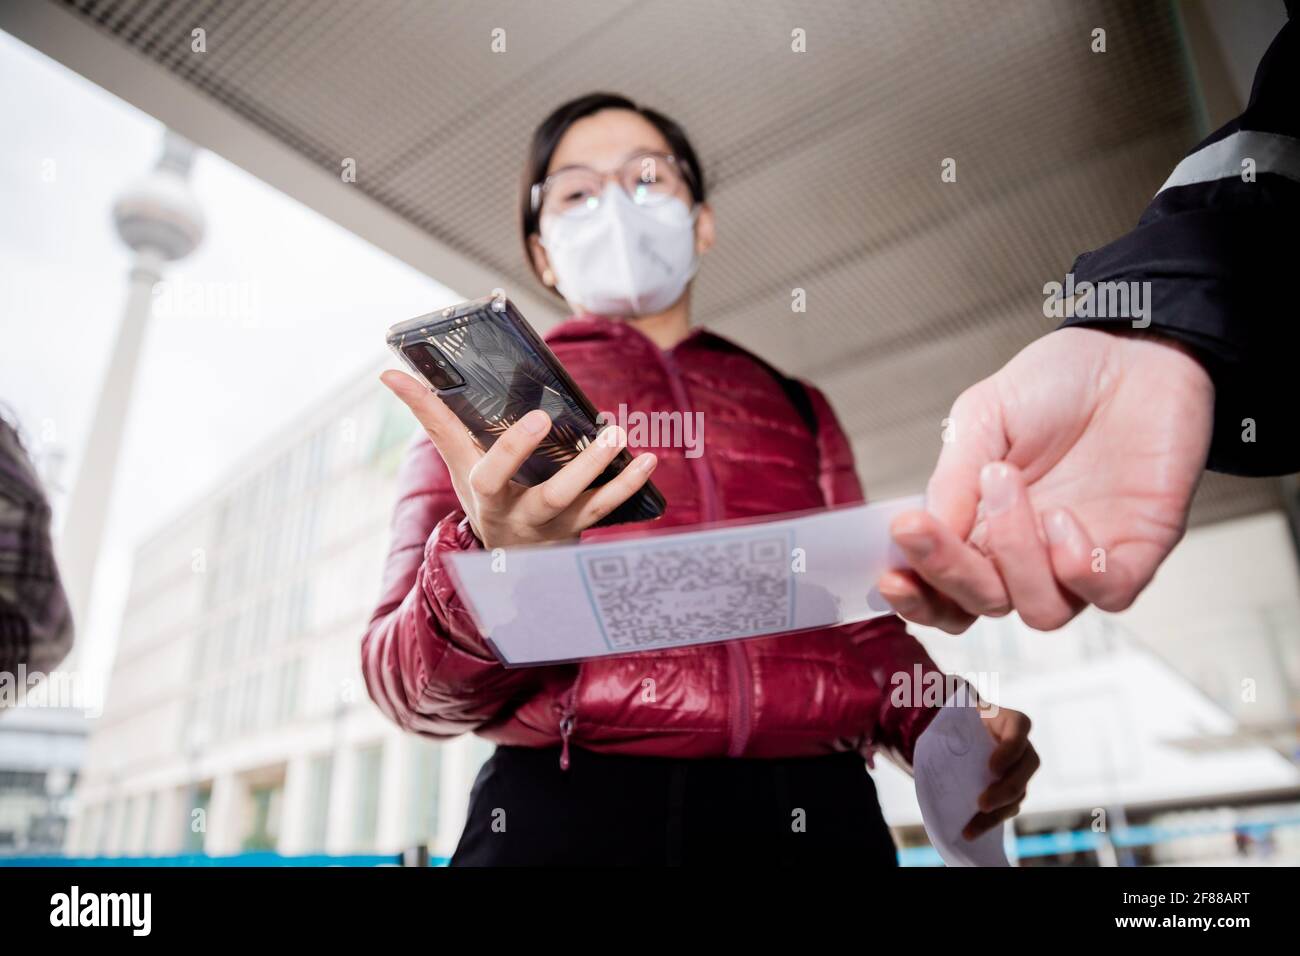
(503, 512)
(1064, 480)
(1014, 761)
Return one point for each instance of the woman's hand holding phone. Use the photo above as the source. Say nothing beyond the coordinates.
(501, 511)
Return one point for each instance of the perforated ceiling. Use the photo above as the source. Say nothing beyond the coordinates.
(824, 165)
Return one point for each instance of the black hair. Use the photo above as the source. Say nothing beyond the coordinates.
(552, 129)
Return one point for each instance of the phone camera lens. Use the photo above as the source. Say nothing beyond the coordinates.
(437, 370)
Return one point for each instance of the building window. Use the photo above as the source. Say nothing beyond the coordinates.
(196, 818)
(91, 824)
(318, 801)
(370, 764)
(306, 529)
(126, 837)
(252, 701)
(288, 702)
(199, 734)
(106, 828)
(219, 714)
(145, 841)
(229, 638)
(234, 709)
(188, 721)
(261, 628)
(280, 484)
(212, 590)
(264, 832)
(425, 778)
(316, 462)
(272, 537)
(276, 618)
(301, 608)
(198, 653)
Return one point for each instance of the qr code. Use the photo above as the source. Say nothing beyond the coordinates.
(667, 595)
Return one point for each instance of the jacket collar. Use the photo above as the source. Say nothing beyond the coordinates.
(595, 328)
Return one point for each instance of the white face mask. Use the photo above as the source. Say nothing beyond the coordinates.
(622, 258)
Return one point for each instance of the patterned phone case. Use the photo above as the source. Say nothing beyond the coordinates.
(508, 371)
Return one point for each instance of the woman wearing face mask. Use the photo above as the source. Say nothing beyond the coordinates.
(744, 751)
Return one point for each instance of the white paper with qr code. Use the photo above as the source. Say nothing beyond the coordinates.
(722, 583)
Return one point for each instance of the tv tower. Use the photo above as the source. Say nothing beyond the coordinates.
(159, 218)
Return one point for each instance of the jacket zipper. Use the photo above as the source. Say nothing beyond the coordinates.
(568, 718)
(739, 686)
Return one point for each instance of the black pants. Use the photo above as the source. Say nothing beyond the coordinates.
(611, 809)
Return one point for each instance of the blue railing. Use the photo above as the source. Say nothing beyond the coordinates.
(1025, 847)
(1088, 841)
(260, 858)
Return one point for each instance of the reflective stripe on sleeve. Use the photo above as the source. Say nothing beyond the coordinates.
(1272, 153)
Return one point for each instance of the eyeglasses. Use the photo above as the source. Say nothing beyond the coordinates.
(648, 179)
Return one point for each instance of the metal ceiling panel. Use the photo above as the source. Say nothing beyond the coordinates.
(824, 166)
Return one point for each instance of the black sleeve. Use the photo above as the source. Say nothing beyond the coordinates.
(1218, 257)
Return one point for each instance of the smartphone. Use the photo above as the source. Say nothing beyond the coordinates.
(491, 368)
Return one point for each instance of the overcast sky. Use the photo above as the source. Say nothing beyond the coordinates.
(210, 386)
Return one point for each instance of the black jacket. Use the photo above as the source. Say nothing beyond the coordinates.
(1220, 254)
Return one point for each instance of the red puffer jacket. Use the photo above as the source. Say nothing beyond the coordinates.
(801, 694)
